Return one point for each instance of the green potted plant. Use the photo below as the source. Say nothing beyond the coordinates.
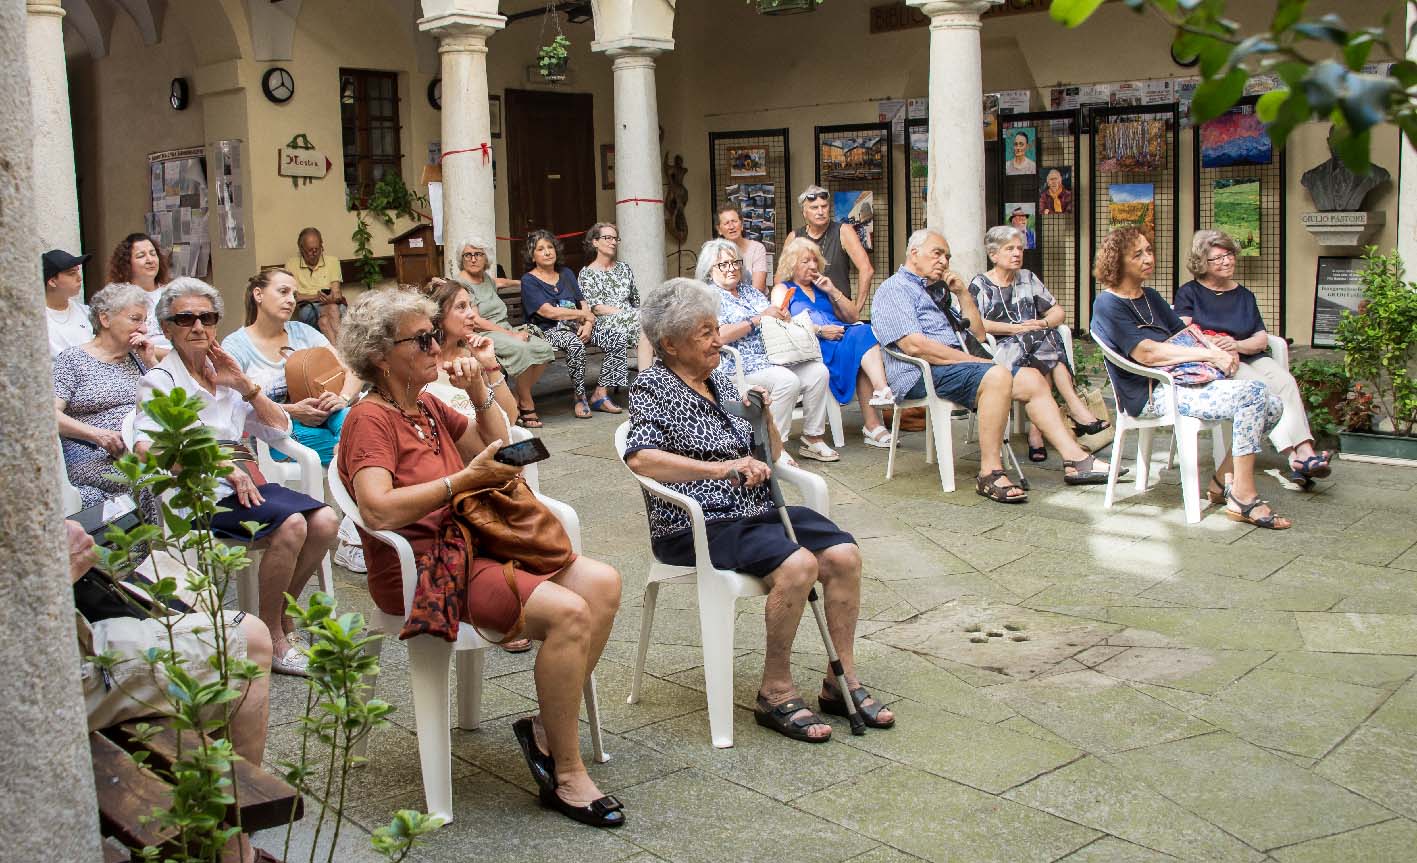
(1379, 346)
(389, 199)
(1323, 385)
(786, 7)
(552, 58)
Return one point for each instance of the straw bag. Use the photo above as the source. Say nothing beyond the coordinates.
(791, 342)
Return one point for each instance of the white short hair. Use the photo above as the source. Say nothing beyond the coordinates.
(917, 239)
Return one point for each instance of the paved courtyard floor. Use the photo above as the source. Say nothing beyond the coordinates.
(1159, 691)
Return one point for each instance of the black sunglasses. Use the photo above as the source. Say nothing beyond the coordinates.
(187, 319)
(814, 196)
(425, 339)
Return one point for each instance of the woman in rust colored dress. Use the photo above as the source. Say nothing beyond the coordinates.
(404, 454)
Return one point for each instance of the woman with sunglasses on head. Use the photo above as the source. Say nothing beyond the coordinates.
(296, 530)
(1221, 306)
(839, 243)
(137, 260)
(608, 285)
(406, 455)
(522, 352)
(552, 300)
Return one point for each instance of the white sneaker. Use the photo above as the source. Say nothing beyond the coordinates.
(348, 531)
(351, 557)
(882, 398)
(879, 438)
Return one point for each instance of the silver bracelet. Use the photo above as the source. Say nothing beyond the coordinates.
(492, 394)
(448, 484)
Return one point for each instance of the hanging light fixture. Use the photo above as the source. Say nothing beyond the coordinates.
(346, 90)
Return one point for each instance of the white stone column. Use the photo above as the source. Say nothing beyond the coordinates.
(956, 162)
(56, 191)
(468, 207)
(48, 810)
(639, 182)
(1407, 179)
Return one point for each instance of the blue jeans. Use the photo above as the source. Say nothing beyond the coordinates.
(956, 382)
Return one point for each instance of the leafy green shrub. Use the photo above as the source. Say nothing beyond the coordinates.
(1322, 386)
(1380, 341)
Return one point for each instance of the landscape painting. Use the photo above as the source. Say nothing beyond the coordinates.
(1236, 211)
(1132, 204)
(853, 158)
(1235, 139)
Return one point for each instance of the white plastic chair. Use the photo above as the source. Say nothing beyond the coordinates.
(248, 583)
(429, 659)
(69, 496)
(1186, 431)
(719, 591)
(833, 409)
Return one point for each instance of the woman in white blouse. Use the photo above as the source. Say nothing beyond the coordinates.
(296, 530)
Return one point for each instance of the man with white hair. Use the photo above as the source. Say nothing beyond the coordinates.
(838, 242)
(913, 313)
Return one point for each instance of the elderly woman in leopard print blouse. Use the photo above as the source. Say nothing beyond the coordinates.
(683, 435)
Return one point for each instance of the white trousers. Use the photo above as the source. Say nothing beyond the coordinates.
(785, 384)
(1293, 428)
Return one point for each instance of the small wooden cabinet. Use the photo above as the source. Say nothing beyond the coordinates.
(416, 257)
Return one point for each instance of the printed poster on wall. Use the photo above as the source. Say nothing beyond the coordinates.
(1337, 289)
(177, 215)
(230, 195)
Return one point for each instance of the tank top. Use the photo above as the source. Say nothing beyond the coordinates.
(838, 264)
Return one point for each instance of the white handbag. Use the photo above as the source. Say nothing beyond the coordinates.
(791, 342)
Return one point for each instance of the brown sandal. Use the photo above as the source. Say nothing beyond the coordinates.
(987, 485)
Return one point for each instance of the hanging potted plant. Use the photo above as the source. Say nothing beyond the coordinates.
(786, 7)
(553, 57)
(1379, 346)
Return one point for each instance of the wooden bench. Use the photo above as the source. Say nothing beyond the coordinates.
(516, 315)
(128, 793)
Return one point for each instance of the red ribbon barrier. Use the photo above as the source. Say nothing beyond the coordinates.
(482, 148)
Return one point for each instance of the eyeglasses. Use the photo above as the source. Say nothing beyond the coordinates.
(474, 255)
(814, 196)
(426, 339)
(187, 319)
(728, 266)
(1227, 256)
(611, 237)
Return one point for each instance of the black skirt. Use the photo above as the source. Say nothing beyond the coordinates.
(755, 545)
(279, 504)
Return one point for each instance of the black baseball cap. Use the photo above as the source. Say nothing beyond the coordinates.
(57, 261)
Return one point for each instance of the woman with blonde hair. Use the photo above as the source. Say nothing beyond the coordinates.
(849, 348)
(1228, 312)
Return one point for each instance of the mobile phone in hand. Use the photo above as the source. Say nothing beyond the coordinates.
(522, 453)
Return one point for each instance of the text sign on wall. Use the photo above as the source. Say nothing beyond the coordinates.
(890, 17)
(1337, 289)
(303, 163)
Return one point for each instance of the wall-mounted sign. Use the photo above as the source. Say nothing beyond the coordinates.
(300, 161)
(1337, 289)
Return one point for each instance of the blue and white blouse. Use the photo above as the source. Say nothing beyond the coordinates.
(666, 414)
(732, 310)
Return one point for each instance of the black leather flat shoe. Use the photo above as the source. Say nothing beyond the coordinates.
(605, 812)
(541, 765)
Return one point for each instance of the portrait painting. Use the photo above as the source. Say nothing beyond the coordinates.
(1021, 151)
(1024, 216)
(1055, 196)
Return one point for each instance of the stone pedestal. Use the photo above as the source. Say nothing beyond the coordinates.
(956, 162)
(1343, 229)
(639, 182)
(56, 192)
(469, 211)
(47, 810)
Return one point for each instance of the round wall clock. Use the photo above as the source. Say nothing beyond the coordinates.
(177, 94)
(278, 85)
(1184, 64)
(435, 94)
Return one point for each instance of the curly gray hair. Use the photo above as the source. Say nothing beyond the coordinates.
(999, 236)
(674, 309)
(185, 286)
(113, 299)
(709, 255)
(471, 242)
(369, 329)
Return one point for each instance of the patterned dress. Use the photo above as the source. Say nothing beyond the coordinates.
(99, 394)
(1025, 300)
(614, 287)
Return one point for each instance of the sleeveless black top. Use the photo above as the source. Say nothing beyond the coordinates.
(838, 264)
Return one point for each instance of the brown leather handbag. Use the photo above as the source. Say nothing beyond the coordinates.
(502, 522)
(312, 372)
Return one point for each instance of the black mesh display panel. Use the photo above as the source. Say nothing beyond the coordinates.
(767, 216)
(1055, 257)
(917, 142)
(1135, 146)
(863, 165)
(1246, 200)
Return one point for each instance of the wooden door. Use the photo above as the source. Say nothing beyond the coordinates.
(551, 170)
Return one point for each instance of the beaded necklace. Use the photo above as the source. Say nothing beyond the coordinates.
(432, 438)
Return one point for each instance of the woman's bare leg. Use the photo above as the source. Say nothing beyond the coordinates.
(1077, 408)
(525, 381)
(869, 415)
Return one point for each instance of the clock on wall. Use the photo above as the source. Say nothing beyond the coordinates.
(177, 94)
(435, 94)
(1186, 63)
(278, 85)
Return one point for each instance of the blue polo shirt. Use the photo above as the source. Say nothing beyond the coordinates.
(900, 307)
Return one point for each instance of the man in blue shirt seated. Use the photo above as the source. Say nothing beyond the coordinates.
(911, 313)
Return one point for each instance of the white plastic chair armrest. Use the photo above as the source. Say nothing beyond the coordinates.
(738, 379)
(1279, 349)
(311, 471)
(813, 487)
(907, 358)
(1065, 332)
(568, 517)
(1136, 368)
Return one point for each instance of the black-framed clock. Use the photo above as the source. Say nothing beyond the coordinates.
(435, 94)
(177, 94)
(278, 85)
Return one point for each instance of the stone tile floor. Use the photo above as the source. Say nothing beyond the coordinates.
(1202, 692)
